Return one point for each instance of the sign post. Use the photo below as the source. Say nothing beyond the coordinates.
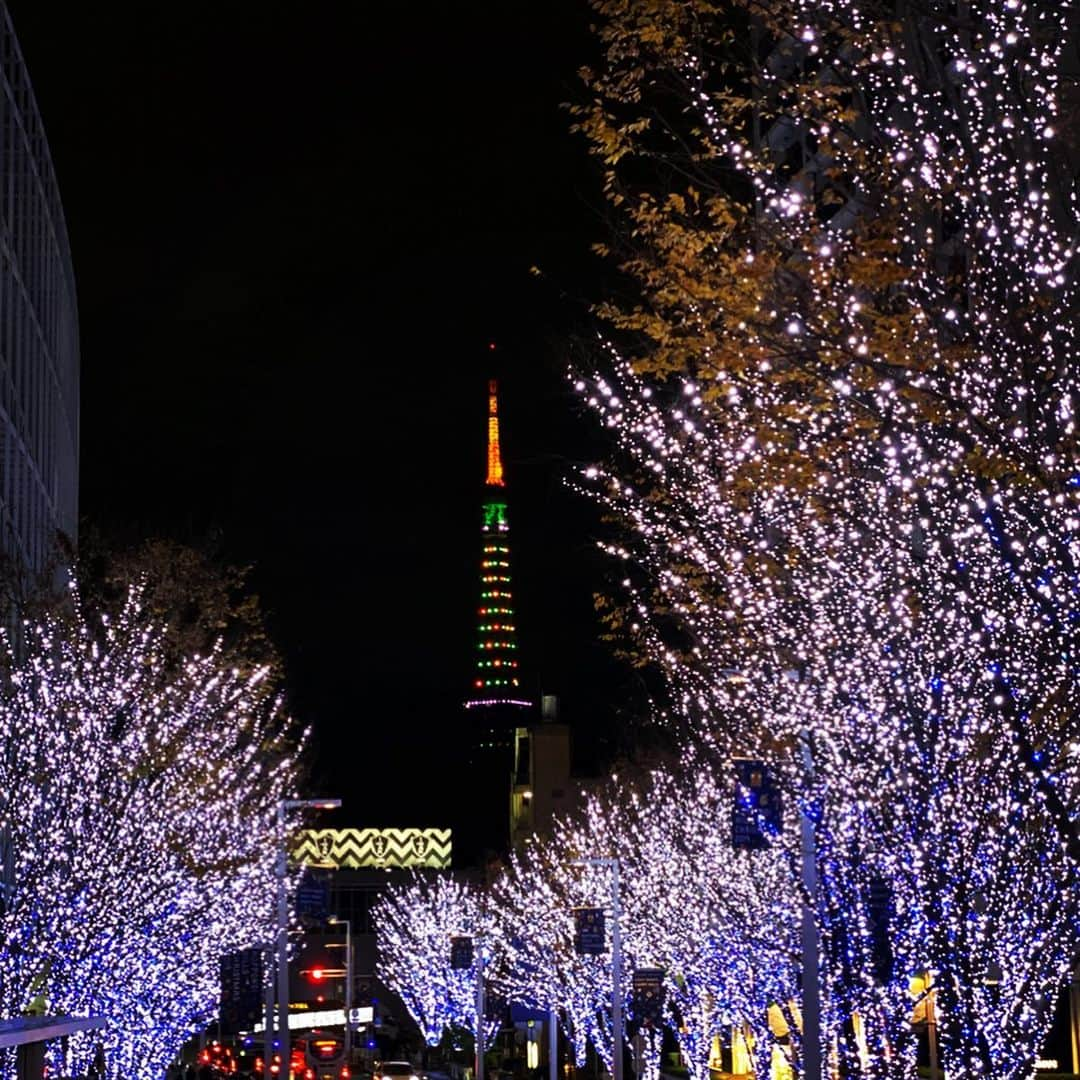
(282, 949)
(589, 940)
(480, 1018)
(756, 818)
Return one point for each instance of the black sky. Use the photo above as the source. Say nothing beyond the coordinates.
(295, 229)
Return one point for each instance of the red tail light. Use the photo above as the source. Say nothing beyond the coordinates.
(345, 1074)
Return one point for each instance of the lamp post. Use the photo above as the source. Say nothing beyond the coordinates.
(283, 932)
(335, 921)
(811, 970)
(479, 1068)
(553, 1044)
(616, 965)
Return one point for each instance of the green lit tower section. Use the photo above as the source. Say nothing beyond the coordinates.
(496, 683)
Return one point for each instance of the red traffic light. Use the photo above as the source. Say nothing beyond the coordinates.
(317, 974)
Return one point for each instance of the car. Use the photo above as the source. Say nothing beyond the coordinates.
(395, 1070)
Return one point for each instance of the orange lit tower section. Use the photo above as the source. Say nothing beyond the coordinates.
(497, 679)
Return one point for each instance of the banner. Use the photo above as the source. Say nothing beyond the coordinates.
(461, 953)
(755, 816)
(358, 849)
(589, 936)
(647, 1004)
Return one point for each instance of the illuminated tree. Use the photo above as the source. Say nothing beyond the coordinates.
(720, 923)
(849, 471)
(416, 923)
(851, 227)
(138, 802)
(533, 904)
(778, 626)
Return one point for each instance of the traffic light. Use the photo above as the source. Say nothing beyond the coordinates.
(317, 973)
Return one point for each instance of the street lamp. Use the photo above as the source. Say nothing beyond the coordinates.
(616, 965)
(335, 921)
(283, 934)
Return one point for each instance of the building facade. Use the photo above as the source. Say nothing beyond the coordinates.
(39, 337)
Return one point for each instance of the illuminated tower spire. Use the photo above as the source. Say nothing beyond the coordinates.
(497, 679)
(495, 469)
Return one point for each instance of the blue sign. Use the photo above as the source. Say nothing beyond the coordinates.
(756, 814)
(461, 953)
(522, 1014)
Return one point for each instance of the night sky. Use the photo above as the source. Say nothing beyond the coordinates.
(295, 229)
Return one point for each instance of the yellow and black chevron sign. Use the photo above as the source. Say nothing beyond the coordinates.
(357, 849)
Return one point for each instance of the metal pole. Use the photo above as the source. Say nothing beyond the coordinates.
(931, 1026)
(348, 991)
(811, 993)
(283, 951)
(268, 1011)
(479, 1013)
(553, 1045)
(284, 1036)
(616, 977)
(1074, 1016)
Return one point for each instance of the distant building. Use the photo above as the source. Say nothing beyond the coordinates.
(39, 335)
(544, 786)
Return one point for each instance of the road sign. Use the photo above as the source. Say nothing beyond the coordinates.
(241, 990)
(313, 895)
(589, 936)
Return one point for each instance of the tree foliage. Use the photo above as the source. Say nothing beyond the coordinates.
(138, 810)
